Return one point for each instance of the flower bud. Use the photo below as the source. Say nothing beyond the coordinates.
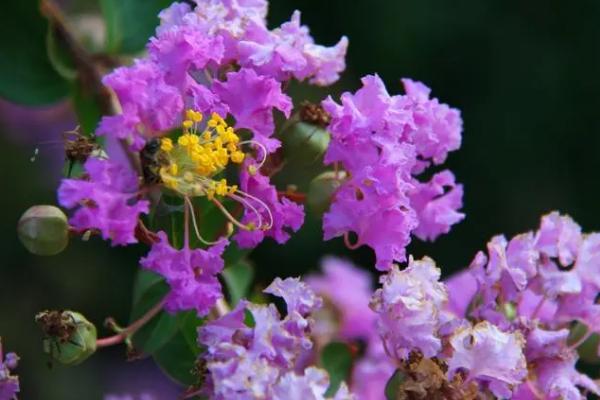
(321, 190)
(69, 337)
(44, 230)
(304, 141)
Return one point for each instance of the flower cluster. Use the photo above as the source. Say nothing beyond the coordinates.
(9, 384)
(253, 353)
(383, 143)
(207, 63)
(505, 323)
(217, 57)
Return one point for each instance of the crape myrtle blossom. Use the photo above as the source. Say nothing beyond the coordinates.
(187, 63)
(384, 142)
(538, 285)
(414, 323)
(106, 200)
(408, 305)
(257, 358)
(9, 384)
(191, 274)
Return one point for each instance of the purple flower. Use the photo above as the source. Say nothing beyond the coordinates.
(259, 359)
(272, 216)
(437, 127)
(436, 203)
(536, 285)
(559, 236)
(490, 356)
(183, 49)
(349, 289)
(312, 385)
(384, 142)
(150, 106)
(9, 384)
(559, 380)
(408, 304)
(106, 201)
(290, 51)
(191, 274)
(251, 99)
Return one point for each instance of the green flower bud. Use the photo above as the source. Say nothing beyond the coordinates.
(304, 141)
(44, 230)
(322, 189)
(69, 337)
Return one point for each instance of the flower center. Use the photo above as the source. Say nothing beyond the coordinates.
(195, 159)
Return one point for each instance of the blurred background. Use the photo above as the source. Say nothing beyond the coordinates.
(524, 74)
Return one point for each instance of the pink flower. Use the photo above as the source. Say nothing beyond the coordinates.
(191, 274)
(384, 142)
(150, 106)
(408, 306)
(106, 201)
(490, 356)
(278, 216)
(436, 203)
(251, 99)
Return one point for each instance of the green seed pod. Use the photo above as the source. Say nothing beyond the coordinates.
(44, 230)
(305, 142)
(69, 337)
(322, 189)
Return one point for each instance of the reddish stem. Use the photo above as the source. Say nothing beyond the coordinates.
(131, 329)
(297, 197)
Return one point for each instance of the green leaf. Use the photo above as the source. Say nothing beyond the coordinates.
(129, 23)
(238, 278)
(337, 361)
(149, 290)
(393, 385)
(178, 357)
(26, 74)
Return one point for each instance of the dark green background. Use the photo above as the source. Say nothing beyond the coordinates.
(524, 74)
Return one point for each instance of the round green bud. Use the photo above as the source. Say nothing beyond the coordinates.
(69, 337)
(44, 230)
(322, 189)
(304, 141)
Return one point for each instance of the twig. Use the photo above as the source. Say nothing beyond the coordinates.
(131, 329)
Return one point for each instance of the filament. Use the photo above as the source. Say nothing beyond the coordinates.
(246, 203)
(229, 216)
(263, 204)
(195, 224)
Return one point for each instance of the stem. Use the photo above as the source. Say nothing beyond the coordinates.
(131, 329)
(87, 74)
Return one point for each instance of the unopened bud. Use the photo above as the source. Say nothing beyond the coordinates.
(44, 230)
(321, 190)
(306, 142)
(69, 337)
